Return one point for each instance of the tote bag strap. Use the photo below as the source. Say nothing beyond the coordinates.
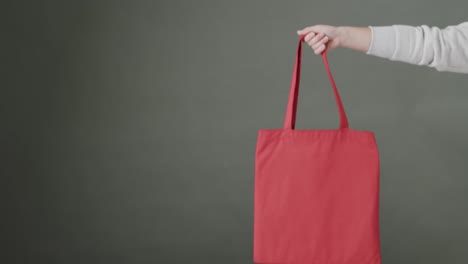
(290, 119)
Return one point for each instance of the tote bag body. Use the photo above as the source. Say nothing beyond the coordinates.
(316, 198)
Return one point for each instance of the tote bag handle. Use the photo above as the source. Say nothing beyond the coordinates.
(290, 119)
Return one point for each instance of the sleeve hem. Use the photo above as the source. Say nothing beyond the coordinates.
(372, 39)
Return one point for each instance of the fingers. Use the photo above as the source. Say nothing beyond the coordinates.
(315, 38)
(320, 49)
(317, 41)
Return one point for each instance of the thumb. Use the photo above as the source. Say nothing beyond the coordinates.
(307, 30)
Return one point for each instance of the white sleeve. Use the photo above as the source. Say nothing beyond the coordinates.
(443, 49)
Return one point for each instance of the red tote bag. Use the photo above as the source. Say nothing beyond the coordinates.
(316, 197)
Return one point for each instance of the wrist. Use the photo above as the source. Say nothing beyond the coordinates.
(342, 36)
(357, 38)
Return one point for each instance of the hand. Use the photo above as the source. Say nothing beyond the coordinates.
(321, 37)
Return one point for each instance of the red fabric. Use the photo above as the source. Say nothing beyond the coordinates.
(316, 195)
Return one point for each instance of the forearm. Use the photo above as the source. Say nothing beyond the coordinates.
(356, 38)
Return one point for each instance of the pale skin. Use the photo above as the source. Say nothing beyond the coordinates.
(326, 38)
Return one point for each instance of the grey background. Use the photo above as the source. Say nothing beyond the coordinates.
(129, 127)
